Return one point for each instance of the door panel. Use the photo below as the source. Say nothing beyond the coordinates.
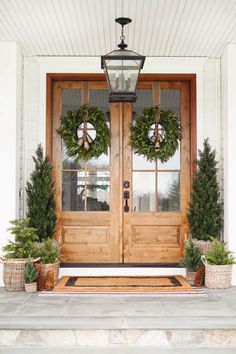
(86, 192)
(155, 226)
(93, 224)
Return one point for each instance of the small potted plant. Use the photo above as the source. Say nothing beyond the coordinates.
(218, 263)
(31, 276)
(49, 253)
(17, 253)
(191, 261)
(205, 214)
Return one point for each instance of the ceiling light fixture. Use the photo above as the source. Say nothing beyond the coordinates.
(122, 68)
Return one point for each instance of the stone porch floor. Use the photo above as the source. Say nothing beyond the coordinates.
(118, 324)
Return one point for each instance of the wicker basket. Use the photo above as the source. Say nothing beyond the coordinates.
(13, 274)
(217, 276)
(44, 268)
(203, 246)
(31, 287)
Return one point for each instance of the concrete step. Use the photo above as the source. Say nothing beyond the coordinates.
(118, 340)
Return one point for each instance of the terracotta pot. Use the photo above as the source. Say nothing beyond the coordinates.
(31, 287)
(191, 277)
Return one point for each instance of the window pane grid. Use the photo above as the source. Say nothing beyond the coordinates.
(165, 191)
(85, 184)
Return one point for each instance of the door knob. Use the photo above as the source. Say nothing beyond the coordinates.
(126, 197)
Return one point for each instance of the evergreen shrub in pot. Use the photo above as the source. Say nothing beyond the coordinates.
(191, 261)
(218, 263)
(31, 276)
(49, 253)
(17, 253)
(205, 214)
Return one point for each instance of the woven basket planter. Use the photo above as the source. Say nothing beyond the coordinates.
(43, 271)
(31, 288)
(203, 246)
(13, 274)
(217, 276)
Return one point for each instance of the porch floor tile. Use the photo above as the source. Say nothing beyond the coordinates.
(19, 310)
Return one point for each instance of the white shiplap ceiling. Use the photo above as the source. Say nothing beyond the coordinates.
(87, 27)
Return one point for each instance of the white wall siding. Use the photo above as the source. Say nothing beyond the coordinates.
(10, 122)
(228, 95)
(211, 79)
(31, 119)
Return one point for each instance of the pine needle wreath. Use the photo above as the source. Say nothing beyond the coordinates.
(85, 148)
(159, 146)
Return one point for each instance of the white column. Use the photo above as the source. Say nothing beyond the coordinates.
(228, 114)
(10, 113)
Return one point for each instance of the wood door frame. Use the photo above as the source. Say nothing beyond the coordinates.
(144, 79)
(191, 78)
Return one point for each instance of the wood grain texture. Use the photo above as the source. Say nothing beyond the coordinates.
(134, 237)
(86, 236)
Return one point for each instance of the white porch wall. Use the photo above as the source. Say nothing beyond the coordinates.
(10, 122)
(228, 112)
(34, 104)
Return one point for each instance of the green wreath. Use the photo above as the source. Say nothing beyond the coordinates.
(156, 134)
(85, 147)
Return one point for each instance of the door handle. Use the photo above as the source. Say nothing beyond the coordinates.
(126, 197)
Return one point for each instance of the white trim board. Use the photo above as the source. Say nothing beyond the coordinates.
(114, 271)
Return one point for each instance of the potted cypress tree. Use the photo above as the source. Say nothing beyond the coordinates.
(41, 197)
(42, 213)
(205, 214)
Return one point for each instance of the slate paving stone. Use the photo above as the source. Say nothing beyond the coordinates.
(208, 309)
(115, 310)
(40, 310)
(21, 310)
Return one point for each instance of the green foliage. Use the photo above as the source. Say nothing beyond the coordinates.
(24, 244)
(68, 131)
(219, 255)
(205, 213)
(41, 197)
(192, 257)
(140, 141)
(30, 274)
(48, 251)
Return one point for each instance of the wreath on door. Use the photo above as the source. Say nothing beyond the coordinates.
(75, 131)
(156, 134)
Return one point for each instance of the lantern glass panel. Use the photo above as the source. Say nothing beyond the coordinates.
(123, 74)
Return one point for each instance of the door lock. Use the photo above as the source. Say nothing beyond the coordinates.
(126, 184)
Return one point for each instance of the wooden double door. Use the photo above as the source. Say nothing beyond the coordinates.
(121, 208)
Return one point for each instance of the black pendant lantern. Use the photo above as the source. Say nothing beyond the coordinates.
(122, 68)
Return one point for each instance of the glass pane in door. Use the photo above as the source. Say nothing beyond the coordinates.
(85, 184)
(143, 191)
